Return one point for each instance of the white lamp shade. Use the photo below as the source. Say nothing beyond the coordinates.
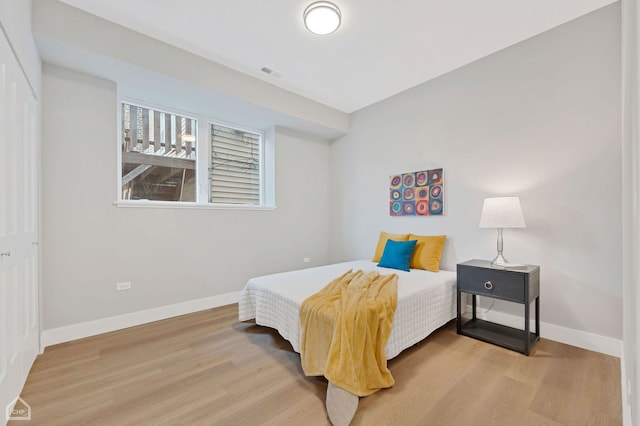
(322, 17)
(502, 212)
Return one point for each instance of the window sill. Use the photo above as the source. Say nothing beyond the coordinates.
(188, 205)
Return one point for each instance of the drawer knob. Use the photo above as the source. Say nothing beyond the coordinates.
(488, 285)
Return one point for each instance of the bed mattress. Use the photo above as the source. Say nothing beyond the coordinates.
(426, 301)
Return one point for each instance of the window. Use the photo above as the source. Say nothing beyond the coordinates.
(158, 155)
(234, 172)
(163, 159)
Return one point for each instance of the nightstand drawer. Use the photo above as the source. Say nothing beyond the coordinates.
(500, 284)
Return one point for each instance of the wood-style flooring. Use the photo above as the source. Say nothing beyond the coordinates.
(208, 369)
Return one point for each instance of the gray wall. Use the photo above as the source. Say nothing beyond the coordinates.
(170, 255)
(540, 120)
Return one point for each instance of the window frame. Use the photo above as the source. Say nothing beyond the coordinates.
(203, 158)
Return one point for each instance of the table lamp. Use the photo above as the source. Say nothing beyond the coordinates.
(501, 212)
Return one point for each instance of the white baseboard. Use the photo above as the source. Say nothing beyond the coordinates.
(105, 325)
(581, 339)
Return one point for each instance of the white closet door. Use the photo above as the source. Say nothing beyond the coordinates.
(19, 323)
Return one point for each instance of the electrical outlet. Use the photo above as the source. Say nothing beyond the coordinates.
(306, 260)
(123, 286)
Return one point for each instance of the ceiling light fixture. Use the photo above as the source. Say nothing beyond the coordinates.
(322, 17)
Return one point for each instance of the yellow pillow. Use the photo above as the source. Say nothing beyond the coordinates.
(382, 241)
(428, 252)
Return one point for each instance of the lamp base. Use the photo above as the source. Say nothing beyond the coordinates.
(499, 261)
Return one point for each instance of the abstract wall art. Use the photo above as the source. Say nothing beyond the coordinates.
(417, 193)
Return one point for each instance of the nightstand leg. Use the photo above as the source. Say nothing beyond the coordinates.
(538, 316)
(526, 328)
(459, 317)
(473, 306)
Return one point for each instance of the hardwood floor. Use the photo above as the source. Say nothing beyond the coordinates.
(207, 368)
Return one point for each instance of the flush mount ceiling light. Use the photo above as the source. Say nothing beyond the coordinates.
(322, 17)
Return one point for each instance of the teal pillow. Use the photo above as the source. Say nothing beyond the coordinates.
(397, 254)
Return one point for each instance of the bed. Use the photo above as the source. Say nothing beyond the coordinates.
(426, 301)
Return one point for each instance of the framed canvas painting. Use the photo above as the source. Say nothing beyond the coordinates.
(417, 193)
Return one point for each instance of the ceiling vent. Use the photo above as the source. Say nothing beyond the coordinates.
(271, 72)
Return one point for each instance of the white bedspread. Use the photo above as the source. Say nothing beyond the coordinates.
(426, 301)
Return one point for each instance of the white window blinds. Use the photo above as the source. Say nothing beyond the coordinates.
(235, 168)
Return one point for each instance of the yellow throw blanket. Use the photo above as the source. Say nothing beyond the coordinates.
(345, 328)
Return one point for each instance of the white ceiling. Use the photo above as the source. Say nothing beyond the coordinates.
(382, 47)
